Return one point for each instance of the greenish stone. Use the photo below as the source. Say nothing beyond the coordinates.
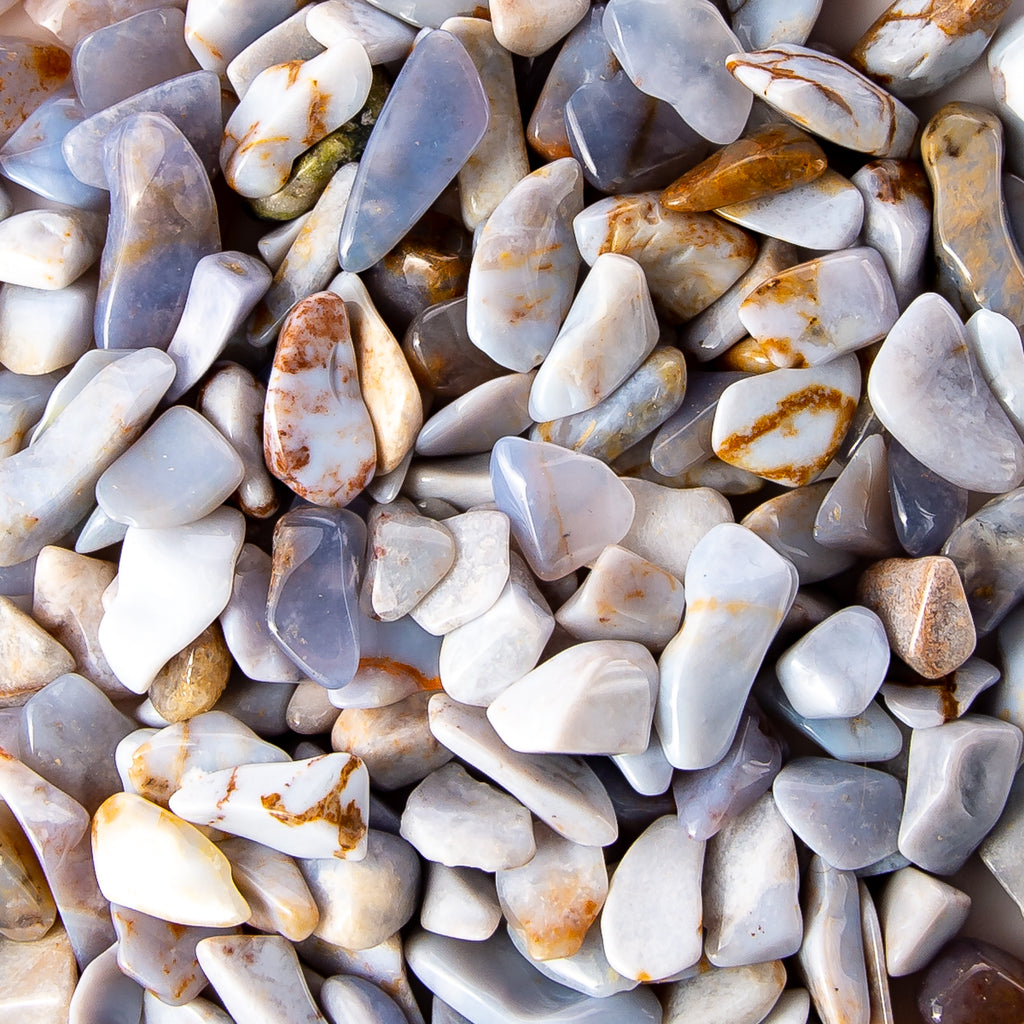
(315, 168)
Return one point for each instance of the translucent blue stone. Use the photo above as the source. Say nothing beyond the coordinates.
(32, 156)
(313, 605)
(433, 118)
(192, 102)
(163, 221)
(627, 141)
(925, 507)
(117, 61)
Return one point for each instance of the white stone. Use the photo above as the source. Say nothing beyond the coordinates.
(198, 1011)
(171, 584)
(919, 914)
(879, 996)
(725, 995)
(826, 213)
(50, 249)
(924, 379)
(595, 697)
(738, 592)
(460, 902)
(22, 398)
(217, 32)
(358, 1001)
(184, 878)
(651, 923)
(792, 1007)
(384, 37)
(996, 344)
(761, 23)
(649, 772)
(529, 27)
(289, 40)
(923, 706)
(451, 818)
(274, 245)
(103, 992)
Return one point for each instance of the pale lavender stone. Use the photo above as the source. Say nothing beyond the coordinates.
(104, 993)
(23, 398)
(707, 798)
(312, 607)
(33, 156)
(216, 31)
(348, 1000)
(926, 509)
(191, 102)
(433, 118)
(162, 224)
(129, 56)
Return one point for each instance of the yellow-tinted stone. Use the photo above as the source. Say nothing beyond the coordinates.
(770, 159)
(748, 355)
(194, 679)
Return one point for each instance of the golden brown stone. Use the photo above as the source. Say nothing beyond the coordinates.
(29, 657)
(771, 159)
(193, 680)
(962, 149)
(921, 602)
(748, 355)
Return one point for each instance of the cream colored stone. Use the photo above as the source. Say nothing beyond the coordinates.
(29, 657)
(38, 979)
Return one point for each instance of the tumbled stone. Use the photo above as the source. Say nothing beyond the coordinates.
(828, 97)
(394, 742)
(414, 159)
(926, 508)
(49, 249)
(848, 814)
(826, 213)
(524, 267)
(105, 992)
(28, 910)
(197, 1011)
(29, 657)
(23, 397)
(999, 851)
(897, 221)
(346, 998)
(451, 818)
(494, 983)
(263, 708)
(689, 259)
(767, 160)
(171, 584)
(33, 70)
(922, 604)
(787, 425)
(717, 995)
(384, 37)
(529, 27)
(193, 680)
(185, 880)
(217, 32)
(879, 996)
(326, 459)
(761, 23)
(551, 496)
(922, 707)
(651, 923)
(832, 954)
(995, 342)
(914, 48)
(40, 977)
(750, 889)
(972, 977)
(958, 780)
(735, 605)
(289, 40)
(99, 531)
(363, 902)
(459, 902)
(562, 791)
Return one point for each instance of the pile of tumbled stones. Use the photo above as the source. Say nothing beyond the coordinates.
(568, 568)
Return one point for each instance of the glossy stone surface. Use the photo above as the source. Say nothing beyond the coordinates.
(42, 974)
(926, 508)
(740, 995)
(529, 27)
(972, 977)
(962, 147)
(828, 97)
(289, 40)
(995, 342)
(312, 605)
(194, 679)
(161, 225)
(49, 249)
(524, 268)
(28, 908)
(958, 779)
(105, 992)
(326, 459)
(922, 707)
(29, 657)
(738, 590)
(441, 73)
(33, 71)
(384, 37)
(28, 349)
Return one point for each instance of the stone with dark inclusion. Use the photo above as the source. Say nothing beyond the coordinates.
(312, 607)
(163, 221)
(627, 141)
(971, 982)
(988, 551)
(632, 411)
(315, 168)
(440, 354)
(926, 509)
(434, 117)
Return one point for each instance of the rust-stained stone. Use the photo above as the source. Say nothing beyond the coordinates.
(748, 355)
(194, 679)
(962, 150)
(770, 159)
(317, 433)
(921, 602)
(29, 657)
(30, 72)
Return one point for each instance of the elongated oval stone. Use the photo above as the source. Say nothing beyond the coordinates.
(914, 48)
(826, 96)
(434, 117)
(326, 459)
(822, 309)
(769, 159)
(32, 71)
(564, 507)
(924, 378)
(677, 51)
(185, 879)
(735, 604)
(787, 425)
(689, 259)
(312, 606)
(288, 108)
(524, 267)
(47, 488)
(190, 102)
(162, 223)
(962, 151)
